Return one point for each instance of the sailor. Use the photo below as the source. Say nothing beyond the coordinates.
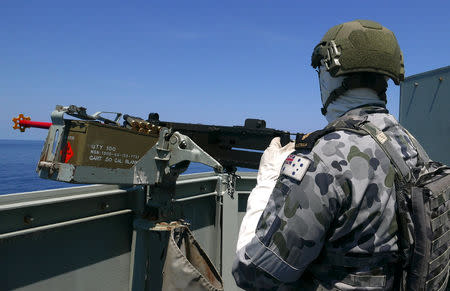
(322, 215)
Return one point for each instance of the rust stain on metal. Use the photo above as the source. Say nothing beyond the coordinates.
(196, 259)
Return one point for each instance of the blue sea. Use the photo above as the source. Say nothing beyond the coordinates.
(18, 160)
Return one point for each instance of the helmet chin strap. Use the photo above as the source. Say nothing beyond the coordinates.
(344, 93)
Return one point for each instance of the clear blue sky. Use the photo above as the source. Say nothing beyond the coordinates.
(215, 62)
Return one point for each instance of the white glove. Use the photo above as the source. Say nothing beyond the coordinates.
(269, 169)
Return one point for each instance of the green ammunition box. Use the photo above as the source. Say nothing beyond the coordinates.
(90, 143)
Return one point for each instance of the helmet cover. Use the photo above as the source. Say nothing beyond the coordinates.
(360, 46)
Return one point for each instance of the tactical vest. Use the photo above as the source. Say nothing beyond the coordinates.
(423, 212)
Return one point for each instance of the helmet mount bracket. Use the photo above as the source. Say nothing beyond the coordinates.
(331, 59)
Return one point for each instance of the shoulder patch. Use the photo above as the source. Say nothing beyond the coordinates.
(307, 141)
(295, 167)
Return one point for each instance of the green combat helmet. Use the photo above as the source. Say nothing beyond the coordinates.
(360, 46)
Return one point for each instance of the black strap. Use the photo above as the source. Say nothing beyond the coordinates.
(360, 126)
(361, 80)
(307, 141)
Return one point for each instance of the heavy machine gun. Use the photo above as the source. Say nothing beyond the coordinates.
(95, 149)
(231, 146)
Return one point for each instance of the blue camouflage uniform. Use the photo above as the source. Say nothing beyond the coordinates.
(333, 227)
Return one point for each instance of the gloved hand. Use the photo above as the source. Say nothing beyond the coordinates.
(269, 169)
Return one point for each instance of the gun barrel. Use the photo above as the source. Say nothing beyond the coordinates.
(22, 122)
(36, 124)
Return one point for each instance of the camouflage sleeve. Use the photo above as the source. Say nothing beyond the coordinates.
(293, 226)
